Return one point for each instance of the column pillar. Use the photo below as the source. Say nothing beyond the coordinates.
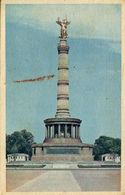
(46, 132)
(71, 130)
(66, 130)
(78, 132)
(49, 131)
(52, 130)
(75, 132)
(59, 130)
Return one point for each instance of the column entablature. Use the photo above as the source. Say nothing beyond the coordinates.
(73, 121)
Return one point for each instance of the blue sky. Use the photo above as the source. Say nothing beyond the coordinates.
(94, 62)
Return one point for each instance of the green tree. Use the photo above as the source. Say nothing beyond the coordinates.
(105, 145)
(19, 142)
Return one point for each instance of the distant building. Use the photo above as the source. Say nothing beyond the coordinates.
(17, 157)
(110, 158)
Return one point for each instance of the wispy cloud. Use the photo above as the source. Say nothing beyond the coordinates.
(88, 21)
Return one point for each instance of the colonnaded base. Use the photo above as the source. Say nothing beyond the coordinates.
(62, 142)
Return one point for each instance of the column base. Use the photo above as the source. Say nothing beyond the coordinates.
(62, 115)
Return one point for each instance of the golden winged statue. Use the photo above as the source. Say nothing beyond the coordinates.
(64, 23)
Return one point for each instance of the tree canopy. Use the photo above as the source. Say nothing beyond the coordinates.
(19, 142)
(105, 145)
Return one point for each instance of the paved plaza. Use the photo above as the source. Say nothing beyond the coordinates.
(63, 180)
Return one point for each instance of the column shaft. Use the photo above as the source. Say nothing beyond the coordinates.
(66, 130)
(59, 130)
(46, 132)
(71, 130)
(78, 132)
(63, 80)
(49, 131)
(52, 130)
(75, 131)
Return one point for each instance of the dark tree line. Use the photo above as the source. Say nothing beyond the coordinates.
(19, 142)
(105, 145)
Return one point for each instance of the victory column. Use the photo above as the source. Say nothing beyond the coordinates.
(62, 133)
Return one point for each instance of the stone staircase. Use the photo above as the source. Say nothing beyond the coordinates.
(60, 158)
